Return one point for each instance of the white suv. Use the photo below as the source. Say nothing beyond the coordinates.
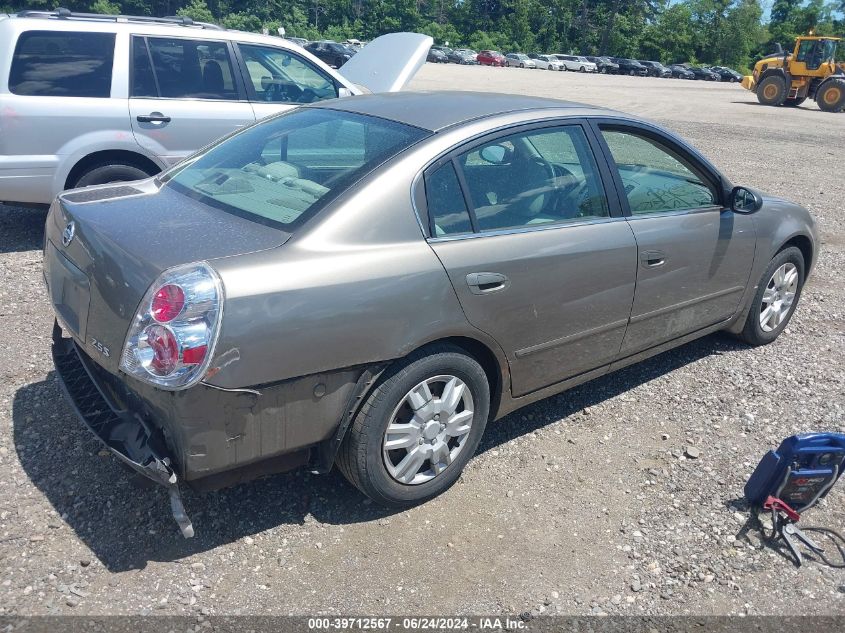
(88, 99)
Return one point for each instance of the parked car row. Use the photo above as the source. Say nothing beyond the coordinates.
(332, 53)
(582, 63)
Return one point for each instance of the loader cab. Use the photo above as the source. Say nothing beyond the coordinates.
(813, 56)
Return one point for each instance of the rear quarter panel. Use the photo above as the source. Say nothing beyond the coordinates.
(357, 285)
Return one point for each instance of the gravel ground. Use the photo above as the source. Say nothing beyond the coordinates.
(585, 503)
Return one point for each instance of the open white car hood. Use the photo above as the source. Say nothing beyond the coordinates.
(389, 62)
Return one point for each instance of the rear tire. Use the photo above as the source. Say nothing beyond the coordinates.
(105, 173)
(772, 90)
(766, 297)
(363, 458)
(831, 96)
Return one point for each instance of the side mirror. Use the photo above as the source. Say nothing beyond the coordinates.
(744, 200)
(495, 154)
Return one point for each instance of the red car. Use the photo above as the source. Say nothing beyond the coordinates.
(491, 58)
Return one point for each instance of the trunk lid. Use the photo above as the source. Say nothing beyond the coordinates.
(389, 62)
(124, 236)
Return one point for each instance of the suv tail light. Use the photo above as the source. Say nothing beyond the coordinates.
(171, 339)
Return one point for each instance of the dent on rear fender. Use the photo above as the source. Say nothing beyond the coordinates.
(210, 430)
(221, 361)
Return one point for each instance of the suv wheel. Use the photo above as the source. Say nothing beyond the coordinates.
(418, 428)
(776, 298)
(105, 173)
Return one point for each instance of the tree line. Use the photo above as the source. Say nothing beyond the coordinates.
(726, 32)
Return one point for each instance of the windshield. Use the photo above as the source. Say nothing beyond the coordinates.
(284, 169)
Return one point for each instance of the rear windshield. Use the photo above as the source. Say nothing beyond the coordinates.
(284, 169)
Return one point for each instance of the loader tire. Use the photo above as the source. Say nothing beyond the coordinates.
(831, 95)
(772, 90)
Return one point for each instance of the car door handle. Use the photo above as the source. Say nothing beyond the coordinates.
(653, 259)
(485, 283)
(153, 117)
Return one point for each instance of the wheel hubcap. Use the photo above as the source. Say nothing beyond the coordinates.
(778, 297)
(770, 91)
(832, 96)
(428, 429)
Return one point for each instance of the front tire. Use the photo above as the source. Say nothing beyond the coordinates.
(418, 427)
(772, 90)
(776, 298)
(106, 173)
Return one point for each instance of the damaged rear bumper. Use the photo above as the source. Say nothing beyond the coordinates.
(123, 432)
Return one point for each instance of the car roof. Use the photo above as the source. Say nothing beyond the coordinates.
(437, 110)
(138, 25)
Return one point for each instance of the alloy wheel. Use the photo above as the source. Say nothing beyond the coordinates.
(779, 296)
(428, 429)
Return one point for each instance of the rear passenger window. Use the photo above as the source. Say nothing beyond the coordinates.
(62, 64)
(446, 206)
(182, 69)
(543, 176)
(143, 80)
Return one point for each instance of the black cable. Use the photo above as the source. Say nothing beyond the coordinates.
(836, 538)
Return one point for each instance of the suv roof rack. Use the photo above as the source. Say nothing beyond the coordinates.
(64, 14)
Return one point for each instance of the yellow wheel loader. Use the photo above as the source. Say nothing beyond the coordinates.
(809, 71)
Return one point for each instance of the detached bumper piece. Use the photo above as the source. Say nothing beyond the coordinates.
(124, 433)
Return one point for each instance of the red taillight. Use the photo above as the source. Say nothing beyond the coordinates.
(171, 340)
(165, 349)
(194, 355)
(168, 302)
